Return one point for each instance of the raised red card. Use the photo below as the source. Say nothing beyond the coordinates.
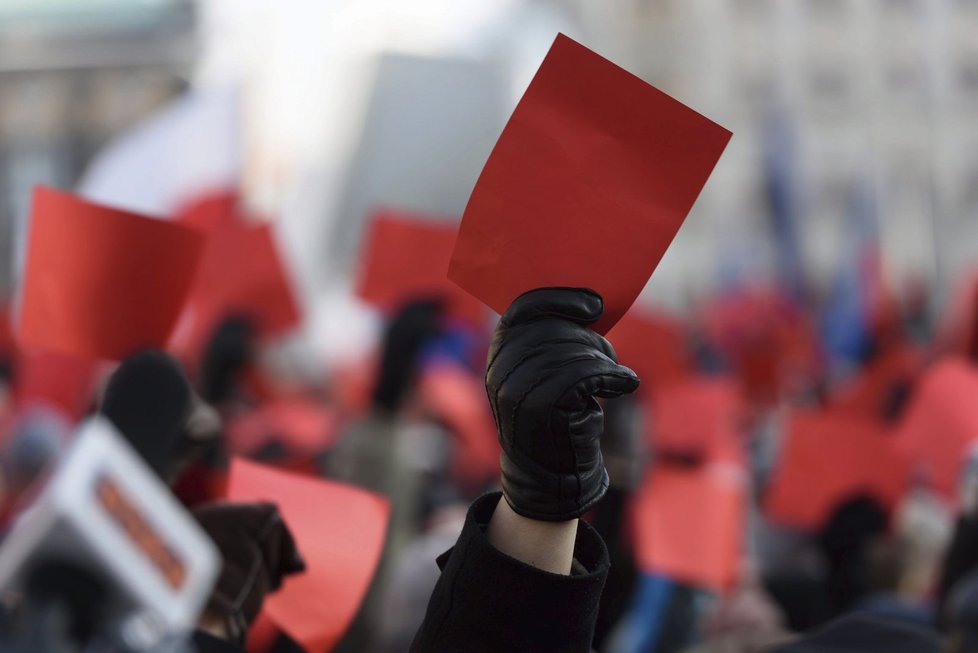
(340, 533)
(588, 184)
(653, 345)
(59, 380)
(242, 273)
(828, 457)
(100, 282)
(689, 524)
(940, 424)
(405, 257)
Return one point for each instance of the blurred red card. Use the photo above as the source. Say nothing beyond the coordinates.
(828, 457)
(689, 524)
(458, 398)
(100, 282)
(242, 273)
(871, 391)
(940, 424)
(699, 415)
(65, 382)
(304, 426)
(587, 186)
(653, 345)
(406, 257)
(340, 532)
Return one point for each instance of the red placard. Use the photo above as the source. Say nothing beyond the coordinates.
(242, 273)
(99, 282)
(689, 524)
(940, 425)
(653, 345)
(588, 184)
(831, 456)
(405, 257)
(699, 415)
(340, 533)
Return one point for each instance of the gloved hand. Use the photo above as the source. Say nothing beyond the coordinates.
(258, 551)
(545, 369)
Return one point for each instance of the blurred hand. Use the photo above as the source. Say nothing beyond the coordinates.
(258, 552)
(546, 367)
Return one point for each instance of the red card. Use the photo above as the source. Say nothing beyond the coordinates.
(689, 524)
(305, 426)
(100, 282)
(828, 457)
(65, 382)
(587, 186)
(698, 415)
(242, 272)
(870, 390)
(340, 532)
(405, 257)
(458, 398)
(940, 424)
(653, 345)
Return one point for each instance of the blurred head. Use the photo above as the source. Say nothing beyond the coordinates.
(417, 324)
(228, 353)
(149, 399)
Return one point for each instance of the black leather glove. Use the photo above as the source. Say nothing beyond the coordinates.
(545, 369)
(258, 552)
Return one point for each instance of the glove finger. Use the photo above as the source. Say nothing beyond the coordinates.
(579, 305)
(605, 379)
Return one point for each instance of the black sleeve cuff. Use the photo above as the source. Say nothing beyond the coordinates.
(486, 600)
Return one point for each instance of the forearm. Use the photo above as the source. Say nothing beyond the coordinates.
(548, 546)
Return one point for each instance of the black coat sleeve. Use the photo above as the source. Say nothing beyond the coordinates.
(485, 601)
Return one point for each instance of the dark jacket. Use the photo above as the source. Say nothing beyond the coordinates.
(486, 601)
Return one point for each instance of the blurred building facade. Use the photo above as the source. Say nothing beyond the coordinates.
(872, 99)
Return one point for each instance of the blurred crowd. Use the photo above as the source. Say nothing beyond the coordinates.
(764, 479)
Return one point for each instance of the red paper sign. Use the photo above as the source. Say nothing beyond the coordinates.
(587, 186)
(652, 345)
(699, 415)
(406, 257)
(65, 382)
(940, 425)
(829, 457)
(305, 426)
(870, 391)
(458, 398)
(100, 282)
(689, 524)
(340, 533)
(241, 273)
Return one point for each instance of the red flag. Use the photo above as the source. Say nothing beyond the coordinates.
(340, 533)
(587, 186)
(99, 282)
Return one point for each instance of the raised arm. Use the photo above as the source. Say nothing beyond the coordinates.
(525, 573)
